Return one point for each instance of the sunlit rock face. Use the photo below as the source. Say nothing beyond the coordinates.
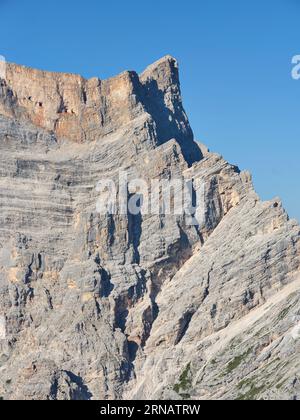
(112, 306)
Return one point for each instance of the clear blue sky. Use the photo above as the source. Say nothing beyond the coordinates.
(235, 58)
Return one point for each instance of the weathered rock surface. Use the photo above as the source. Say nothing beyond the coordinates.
(123, 306)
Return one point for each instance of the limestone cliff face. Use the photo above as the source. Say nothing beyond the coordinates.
(85, 110)
(121, 306)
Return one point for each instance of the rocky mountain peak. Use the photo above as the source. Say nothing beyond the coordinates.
(153, 304)
(82, 110)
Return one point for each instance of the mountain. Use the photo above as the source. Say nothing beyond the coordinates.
(123, 305)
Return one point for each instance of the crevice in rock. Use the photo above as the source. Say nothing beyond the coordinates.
(111, 228)
(125, 301)
(213, 311)
(81, 393)
(207, 288)
(53, 389)
(132, 350)
(68, 386)
(248, 297)
(29, 272)
(121, 312)
(106, 287)
(84, 95)
(49, 299)
(135, 228)
(184, 324)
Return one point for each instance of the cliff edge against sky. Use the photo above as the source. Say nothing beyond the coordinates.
(141, 306)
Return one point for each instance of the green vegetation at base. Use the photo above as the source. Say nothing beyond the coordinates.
(283, 313)
(237, 361)
(280, 385)
(252, 394)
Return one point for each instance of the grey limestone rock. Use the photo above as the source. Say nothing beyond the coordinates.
(135, 306)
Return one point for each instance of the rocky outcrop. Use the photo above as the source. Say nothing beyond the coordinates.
(134, 306)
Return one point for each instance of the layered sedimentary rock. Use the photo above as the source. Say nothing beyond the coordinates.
(112, 306)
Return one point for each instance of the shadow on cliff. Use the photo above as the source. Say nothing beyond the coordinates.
(135, 227)
(170, 124)
(78, 390)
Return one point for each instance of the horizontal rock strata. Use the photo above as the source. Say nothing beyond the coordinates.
(134, 306)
